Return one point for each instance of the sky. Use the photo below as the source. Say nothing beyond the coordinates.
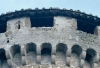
(87, 6)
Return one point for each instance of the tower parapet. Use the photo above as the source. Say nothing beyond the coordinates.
(50, 38)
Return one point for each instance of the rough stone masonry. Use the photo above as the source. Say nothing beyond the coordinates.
(57, 46)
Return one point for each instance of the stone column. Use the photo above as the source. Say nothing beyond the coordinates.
(82, 58)
(53, 54)
(9, 58)
(96, 60)
(38, 50)
(23, 55)
(99, 62)
(68, 54)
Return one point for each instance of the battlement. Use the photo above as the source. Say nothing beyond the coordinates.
(55, 41)
(25, 23)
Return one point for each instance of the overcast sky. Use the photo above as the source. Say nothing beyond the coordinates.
(88, 6)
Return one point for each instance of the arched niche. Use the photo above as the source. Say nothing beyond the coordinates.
(61, 50)
(76, 51)
(46, 49)
(16, 54)
(3, 59)
(31, 53)
(90, 54)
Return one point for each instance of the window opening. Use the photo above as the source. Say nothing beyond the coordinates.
(42, 22)
(86, 26)
(7, 40)
(18, 24)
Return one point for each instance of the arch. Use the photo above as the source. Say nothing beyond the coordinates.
(61, 47)
(90, 54)
(46, 49)
(61, 50)
(31, 53)
(3, 59)
(76, 51)
(16, 54)
(30, 47)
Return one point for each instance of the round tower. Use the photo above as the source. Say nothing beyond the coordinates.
(49, 38)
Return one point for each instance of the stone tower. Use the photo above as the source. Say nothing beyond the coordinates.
(49, 38)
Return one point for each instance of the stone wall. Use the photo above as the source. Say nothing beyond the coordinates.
(62, 44)
(45, 66)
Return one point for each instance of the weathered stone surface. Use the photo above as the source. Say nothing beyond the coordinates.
(36, 66)
(29, 66)
(45, 66)
(64, 31)
(64, 67)
(23, 67)
(54, 66)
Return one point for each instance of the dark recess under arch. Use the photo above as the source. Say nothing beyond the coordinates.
(2, 55)
(90, 54)
(46, 48)
(77, 49)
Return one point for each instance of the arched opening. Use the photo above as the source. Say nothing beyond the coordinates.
(3, 59)
(76, 52)
(61, 50)
(31, 53)
(46, 49)
(16, 53)
(90, 54)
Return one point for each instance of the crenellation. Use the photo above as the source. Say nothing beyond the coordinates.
(59, 46)
(97, 30)
(64, 22)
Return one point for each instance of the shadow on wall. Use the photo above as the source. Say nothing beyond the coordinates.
(90, 54)
(16, 54)
(46, 49)
(31, 53)
(77, 50)
(3, 59)
(61, 50)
